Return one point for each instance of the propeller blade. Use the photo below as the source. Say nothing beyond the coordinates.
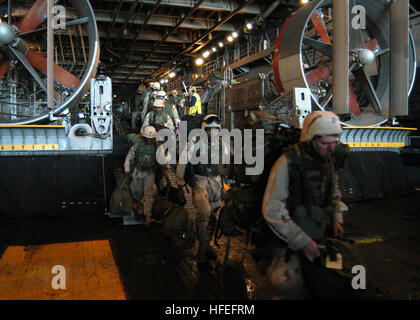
(318, 74)
(379, 53)
(366, 85)
(324, 48)
(320, 27)
(372, 45)
(353, 103)
(355, 39)
(61, 75)
(3, 68)
(34, 17)
(24, 60)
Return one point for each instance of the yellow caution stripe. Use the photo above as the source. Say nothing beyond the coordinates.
(23, 126)
(28, 147)
(370, 240)
(382, 128)
(375, 144)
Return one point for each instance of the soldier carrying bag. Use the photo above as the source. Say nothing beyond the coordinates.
(179, 229)
(121, 202)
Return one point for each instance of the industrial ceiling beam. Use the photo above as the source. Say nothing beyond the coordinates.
(180, 22)
(131, 13)
(114, 16)
(226, 19)
(118, 16)
(181, 37)
(151, 13)
(210, 5)
(145, 49)
(156, 20)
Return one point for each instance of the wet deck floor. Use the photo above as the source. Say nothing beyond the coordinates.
(147, 272)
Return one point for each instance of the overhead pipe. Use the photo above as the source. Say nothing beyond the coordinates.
(341, 56)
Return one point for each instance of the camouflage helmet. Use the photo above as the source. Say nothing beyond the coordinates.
(155, 85)
(149, 132)
(320, 123)
(159, 103)
(161, 95)
(211, 121)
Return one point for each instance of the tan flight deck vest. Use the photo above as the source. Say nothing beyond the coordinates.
(311, 187)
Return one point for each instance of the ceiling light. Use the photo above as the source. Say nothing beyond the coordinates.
(221, 44)
(206, 54)
(214, 49)
(199, 61)
(304, 1)
(172, 75)
(249, 26)
(234, 34)
(162, 81)
(230, 38)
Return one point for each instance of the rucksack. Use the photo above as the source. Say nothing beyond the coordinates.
(241, 211)
(179, 229)
(161, 207)
(121, 202)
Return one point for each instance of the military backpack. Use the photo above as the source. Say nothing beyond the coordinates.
(179, 229)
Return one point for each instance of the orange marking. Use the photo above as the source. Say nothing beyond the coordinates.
(90, 272)
(3, 68)
(60, 75)
(34, 17)
(318, 74)
(320, 27)
(353, 103)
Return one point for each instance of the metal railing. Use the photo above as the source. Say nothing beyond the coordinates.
(254, 45)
